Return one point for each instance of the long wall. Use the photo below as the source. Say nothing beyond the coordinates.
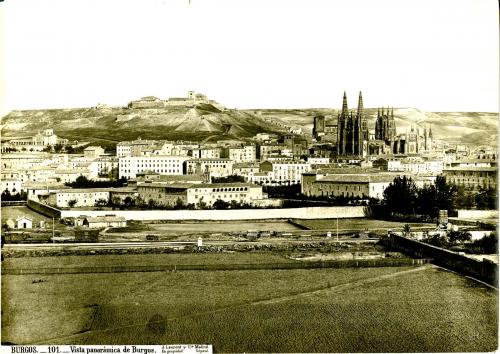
(485, 270)
(478, 214)
(44, 209)
(237, 214)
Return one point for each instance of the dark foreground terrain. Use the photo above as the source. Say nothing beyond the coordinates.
(397, 309)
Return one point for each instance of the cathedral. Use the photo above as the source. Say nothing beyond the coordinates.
(352, 130)
(385, 126)
(351, 136)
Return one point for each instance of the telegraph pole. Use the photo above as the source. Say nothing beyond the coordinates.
(337, 229)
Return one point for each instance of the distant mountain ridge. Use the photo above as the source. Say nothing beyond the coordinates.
(206, 122)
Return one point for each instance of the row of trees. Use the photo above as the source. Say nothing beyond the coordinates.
(461, 241)
(403, 197)
(7, 196)
(84, 182)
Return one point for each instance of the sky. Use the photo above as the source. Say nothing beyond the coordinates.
(434, 55)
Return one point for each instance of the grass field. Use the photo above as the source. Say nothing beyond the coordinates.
(144, 259)
(358, 224)
(322, 310)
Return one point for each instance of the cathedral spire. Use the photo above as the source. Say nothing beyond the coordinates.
(430, 131)
(392, 112)
(345, 111)
(360, 104)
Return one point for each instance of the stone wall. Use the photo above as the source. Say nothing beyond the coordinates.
(44, 209)
(236, 214)
(485, 270)
(478, 214)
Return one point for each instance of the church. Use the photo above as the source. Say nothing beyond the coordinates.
(352, 130)
(351, 136)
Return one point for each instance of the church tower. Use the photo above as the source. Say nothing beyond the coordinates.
(342, 123)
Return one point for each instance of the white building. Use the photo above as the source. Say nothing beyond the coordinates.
(170, 194)
(24, 222)
(101, 221)
(245, 153)
(81, 197)
(285, 172)
(93, 152)
(359, 185)
(210, 167)
(167, 165)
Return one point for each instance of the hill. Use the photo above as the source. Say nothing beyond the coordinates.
(475, 128)
(206, 122)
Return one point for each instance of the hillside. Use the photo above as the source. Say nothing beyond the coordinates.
(111, 124)
(115, 124)
(476, 128)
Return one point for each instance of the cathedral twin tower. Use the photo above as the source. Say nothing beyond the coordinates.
(352, 130)
(351, 134)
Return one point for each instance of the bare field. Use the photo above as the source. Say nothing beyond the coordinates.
(321, 310)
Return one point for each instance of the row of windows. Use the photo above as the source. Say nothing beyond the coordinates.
(338, 188)
(242, 197)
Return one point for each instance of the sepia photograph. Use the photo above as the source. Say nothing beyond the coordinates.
(249, 176)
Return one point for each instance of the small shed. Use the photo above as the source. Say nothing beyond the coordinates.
(24, 222)
(105, 221)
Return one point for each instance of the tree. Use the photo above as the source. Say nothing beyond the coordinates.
(228, 179)
(220, 204)
(72, 203)
(459, 236)
(179, 203)
(128, 202)
(445, 194)
(485, 199)
(151, 204)
(407, 230)
(426, 201)
(401, 196)
(437, 240)
(6, 196)
(101, 202)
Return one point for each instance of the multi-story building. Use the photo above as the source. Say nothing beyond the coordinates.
(36, 143)
(472, 174)
(13, 185)
(352, 185)
(76, 197)
(266, 150)
(93, 152)
(209, 167)
(168, 165)
(206, 152)
(285, 172)
(107, 165)
(244, 153)
(134, 147)
(199, 194)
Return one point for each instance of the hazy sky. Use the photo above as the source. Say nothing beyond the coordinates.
(435, 55)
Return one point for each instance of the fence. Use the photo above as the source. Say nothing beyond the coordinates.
(384, 262)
